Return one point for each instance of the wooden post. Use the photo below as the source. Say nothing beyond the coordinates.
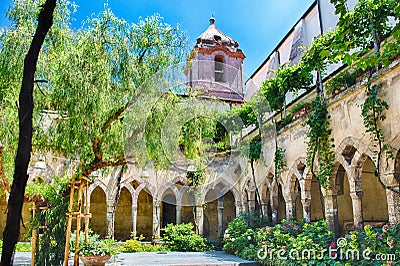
(87, 213)
(34, 237)
(69, 220)
(82, 183)
(78, 223)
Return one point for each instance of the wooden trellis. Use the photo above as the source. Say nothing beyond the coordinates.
(36, 232)
(75, 212)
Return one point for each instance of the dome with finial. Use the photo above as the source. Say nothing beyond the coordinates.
(213, 36)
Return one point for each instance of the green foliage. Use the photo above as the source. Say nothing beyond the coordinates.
(237, 236)
(297, 235)
(357, 30)
(108, 54)
(193, 133)
(254, 148)
(181, 237)
(196, 178)
(284, 122)
(52, 240)
(95, 245)
(318, 54)
(345, 78)
(134, 245)
(23, 247)
(287, 79)
(247, 114)
(373, 112)
(254, 219)
(383, 240)
(299, 107)
(246, 242)
(279, 160)
(320, 141)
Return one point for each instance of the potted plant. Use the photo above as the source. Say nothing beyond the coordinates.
(97, 251)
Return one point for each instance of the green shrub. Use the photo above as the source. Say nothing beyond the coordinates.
(23, 247)
(132, 245)
(1, 245)
(382, 241)
(154, 248)
(246, 242)
(181, 237)
(240, 236)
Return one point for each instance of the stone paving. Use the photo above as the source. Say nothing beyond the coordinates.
(214, 258)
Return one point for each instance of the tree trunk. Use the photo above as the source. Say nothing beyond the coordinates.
(23, 156)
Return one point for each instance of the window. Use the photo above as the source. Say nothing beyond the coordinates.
(219, 68)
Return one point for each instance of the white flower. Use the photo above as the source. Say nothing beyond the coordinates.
(233, 239)
(226, 231)
(249, 237)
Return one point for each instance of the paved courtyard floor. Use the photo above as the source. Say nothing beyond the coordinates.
(213, 258)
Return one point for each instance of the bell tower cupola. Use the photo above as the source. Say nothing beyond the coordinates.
(215, 65)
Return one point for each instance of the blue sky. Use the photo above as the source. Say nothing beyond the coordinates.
(256, 25)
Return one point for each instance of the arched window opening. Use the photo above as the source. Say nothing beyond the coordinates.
(219, 68)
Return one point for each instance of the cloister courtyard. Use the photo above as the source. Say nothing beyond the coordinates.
(135, 143)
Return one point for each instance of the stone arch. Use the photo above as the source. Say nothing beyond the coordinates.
(341, 202)
(168, 207)
(144, 225)
(148, 187)
(213, 198)
(128, 187)
(374, 201)
(168, 186)
(298, 193)
(188, 202)
(351, 154)
(98, 209)
(100, 184)
(226, 188)
(266, 196)
(123, 215)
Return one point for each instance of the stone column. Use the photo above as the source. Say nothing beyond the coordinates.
(178, 214)
(290, 209)
(110, 218)
(274, 207)
(245, 207)
(331, 212)
(306, 209)
(238, 206)
(393, 200)
(356, 198)
(264, 207)
(156, 219)
(134, 218)
(252, 201)
(199, 220)
(220, 215)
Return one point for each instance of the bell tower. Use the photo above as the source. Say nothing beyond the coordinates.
(215, 66)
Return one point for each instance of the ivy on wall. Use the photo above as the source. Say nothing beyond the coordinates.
(320, 141)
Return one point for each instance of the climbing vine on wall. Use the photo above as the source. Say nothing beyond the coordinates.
(280, 163)
(320, 142)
